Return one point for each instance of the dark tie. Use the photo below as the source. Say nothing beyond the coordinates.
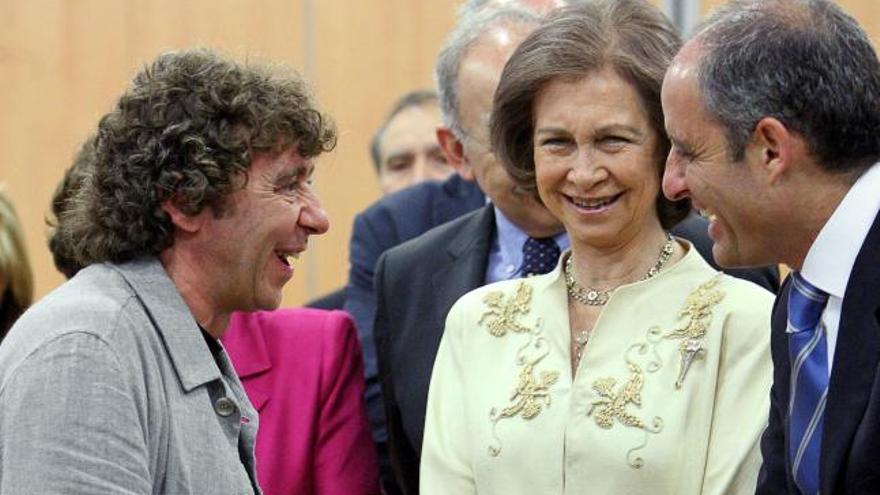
(808, 355)
(539, 256)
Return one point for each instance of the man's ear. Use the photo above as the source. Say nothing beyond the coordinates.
(774, 148)
(186, 223)
(454, 151)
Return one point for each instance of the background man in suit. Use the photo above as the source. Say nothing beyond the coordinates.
(412, 211)
(773, 109)
(404, 150)
(196, 197)
(483, 246)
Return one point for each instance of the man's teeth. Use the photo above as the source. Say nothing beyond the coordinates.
(287, 257)
(592, 203)
(709, 215)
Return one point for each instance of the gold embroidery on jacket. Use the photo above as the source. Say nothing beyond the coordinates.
(697, 313)
(612, 405)
(502, 314)
(532, 392)
(614, 401)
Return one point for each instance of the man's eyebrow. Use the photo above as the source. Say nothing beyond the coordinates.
(302, 170)
(399, 154)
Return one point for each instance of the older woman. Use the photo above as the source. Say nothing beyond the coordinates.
(634, 367)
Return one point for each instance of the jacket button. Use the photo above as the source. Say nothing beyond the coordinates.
(224, 406)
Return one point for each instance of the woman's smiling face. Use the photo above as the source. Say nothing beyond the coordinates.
(596, 157)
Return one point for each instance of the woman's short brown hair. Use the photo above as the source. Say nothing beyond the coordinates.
(630, 36)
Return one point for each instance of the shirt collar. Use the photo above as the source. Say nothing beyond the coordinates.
(831, 257)
(193, 362)
(511, 239)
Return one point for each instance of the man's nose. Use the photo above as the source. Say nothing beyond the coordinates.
(314, 218)
(674, 183)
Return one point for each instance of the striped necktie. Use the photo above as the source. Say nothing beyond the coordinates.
(809, 381)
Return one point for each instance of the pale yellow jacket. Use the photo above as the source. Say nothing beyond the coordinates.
(671, 395)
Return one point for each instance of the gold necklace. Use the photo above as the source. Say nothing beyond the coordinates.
(598, 297)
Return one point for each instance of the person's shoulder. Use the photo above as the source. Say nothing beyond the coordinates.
(412, 199)
(296, 325)
(744, 292)
(725, 293)
(424, 247)
(498, 295)
(83, 314)
(92, 301)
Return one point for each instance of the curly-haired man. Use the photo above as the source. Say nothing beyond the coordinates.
(198, 199)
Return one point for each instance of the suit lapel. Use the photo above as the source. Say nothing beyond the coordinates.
(461, 197)
(460, 268)
(465, 270)
(855, 360)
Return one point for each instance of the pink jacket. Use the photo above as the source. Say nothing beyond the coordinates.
(303, 371)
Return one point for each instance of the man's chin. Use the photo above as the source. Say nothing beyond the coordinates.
(727, 257)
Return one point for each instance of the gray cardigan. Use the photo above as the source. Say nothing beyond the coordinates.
(108, 386)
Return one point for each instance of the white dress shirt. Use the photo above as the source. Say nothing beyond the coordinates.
(830, 259)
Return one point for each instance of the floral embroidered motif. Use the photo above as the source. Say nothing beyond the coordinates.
(502, 314)
(697, 313)
(529, 399)
(612, 405)
(613, 402)
(532, 392)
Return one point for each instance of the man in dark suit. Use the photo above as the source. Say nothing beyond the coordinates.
(411, 212)
(387, 223)
(773, 109)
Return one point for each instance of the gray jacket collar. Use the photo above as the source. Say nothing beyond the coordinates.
(173, 320)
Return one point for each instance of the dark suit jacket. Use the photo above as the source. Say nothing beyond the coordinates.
(851, 432)
(416, 285)
(388, 222)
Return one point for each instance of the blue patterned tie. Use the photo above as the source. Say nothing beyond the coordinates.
(809, 381)
(539, 256)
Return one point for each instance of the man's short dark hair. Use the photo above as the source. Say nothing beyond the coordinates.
(805, 63)
(185, 131)
(416, 98)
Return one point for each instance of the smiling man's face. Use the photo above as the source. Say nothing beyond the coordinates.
(699, 166)
(264, 226)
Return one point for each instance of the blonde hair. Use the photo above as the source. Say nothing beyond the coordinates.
(16, 278)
